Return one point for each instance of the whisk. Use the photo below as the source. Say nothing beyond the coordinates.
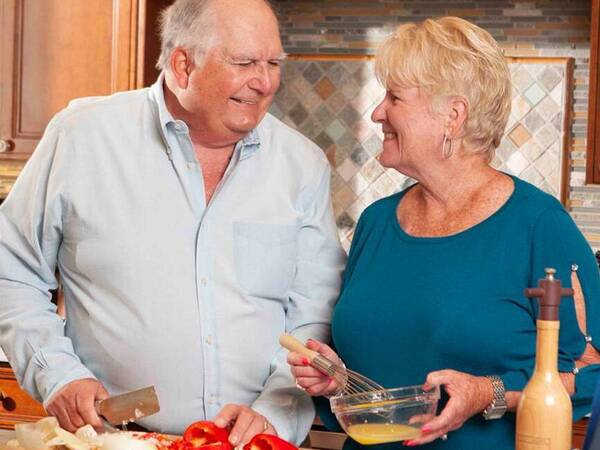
(349, 381)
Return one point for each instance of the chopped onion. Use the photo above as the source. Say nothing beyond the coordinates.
(123, 441)
(13, 444)
(30, 437)
(88, 434)
(71, 441)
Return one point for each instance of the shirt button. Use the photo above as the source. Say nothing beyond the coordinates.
(203, 281)
(208, 339)
(191, 165)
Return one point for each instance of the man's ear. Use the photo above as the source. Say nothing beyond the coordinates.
(181, 66)
(458, 111)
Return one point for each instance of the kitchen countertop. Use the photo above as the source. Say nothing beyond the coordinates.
(6, 435)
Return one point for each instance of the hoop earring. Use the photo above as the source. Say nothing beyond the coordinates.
(446, 153)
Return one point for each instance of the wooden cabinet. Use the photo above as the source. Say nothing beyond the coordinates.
(579, 430)
(15, 404)
(593, 133)
(52, 51)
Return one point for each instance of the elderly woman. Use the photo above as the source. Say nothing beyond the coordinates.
(433, 289)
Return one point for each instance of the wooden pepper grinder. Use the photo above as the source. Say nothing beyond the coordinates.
(544, 414)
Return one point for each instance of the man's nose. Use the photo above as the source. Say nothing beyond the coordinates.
(264, 78)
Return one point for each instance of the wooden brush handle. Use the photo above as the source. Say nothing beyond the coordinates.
(294, 345)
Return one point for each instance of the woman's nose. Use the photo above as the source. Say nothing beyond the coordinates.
(378, 114)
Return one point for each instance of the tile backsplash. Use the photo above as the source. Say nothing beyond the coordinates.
(330, 101)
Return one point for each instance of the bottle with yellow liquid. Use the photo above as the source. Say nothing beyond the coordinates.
(544, 414)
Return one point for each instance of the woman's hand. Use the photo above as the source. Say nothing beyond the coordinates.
(469, 395)
(314, 382)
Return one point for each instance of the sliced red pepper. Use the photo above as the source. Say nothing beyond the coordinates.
(204, 432)
(217, 446)
(179, 444)
(268, 442)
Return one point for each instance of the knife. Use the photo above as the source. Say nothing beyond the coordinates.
(124, 408)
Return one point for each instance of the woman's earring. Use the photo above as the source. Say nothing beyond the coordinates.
(446, 150)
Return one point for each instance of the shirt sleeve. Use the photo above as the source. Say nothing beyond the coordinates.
(31, 333)
(558, 243)
(312, 297)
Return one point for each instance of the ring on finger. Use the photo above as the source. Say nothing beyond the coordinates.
(298, 386)
(444, 437)
(265, 425)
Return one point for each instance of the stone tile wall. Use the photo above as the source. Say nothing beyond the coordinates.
(523, 28)
(331, 102)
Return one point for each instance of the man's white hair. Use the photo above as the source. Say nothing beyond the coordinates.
(189, 24)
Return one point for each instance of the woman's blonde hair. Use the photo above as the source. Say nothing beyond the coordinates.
(452, 57)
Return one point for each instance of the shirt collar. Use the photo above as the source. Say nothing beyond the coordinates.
(164, 116)
(247, 145)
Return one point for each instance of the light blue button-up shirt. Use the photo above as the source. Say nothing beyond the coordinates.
(161, 288)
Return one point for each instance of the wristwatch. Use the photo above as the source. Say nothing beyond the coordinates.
(497, 408)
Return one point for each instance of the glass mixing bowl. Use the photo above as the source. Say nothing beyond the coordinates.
(389, 415)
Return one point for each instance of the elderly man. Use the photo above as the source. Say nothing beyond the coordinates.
(190, 229)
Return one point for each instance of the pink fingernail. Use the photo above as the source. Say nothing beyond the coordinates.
(426, 429)
(409, 443)
(426, 387)
(305, 361)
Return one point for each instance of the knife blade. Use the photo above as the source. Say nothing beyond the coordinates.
(123, 408)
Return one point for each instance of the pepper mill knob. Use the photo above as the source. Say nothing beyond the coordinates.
(549, 292)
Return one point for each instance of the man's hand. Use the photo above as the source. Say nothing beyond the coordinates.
(245, 423)
(74, 404)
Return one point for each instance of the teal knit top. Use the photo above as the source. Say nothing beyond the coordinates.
(411, 305)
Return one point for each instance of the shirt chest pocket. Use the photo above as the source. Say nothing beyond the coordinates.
(265, 258)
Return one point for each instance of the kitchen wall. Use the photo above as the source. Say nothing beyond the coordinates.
(548, 28)
(536, 28)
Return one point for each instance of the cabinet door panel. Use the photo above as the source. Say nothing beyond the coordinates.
(57, 50)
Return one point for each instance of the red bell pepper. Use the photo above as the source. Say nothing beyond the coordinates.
(203, 433)
(268, 442)
(179, 444)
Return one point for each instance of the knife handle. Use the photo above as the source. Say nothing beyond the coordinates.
(108, 427)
